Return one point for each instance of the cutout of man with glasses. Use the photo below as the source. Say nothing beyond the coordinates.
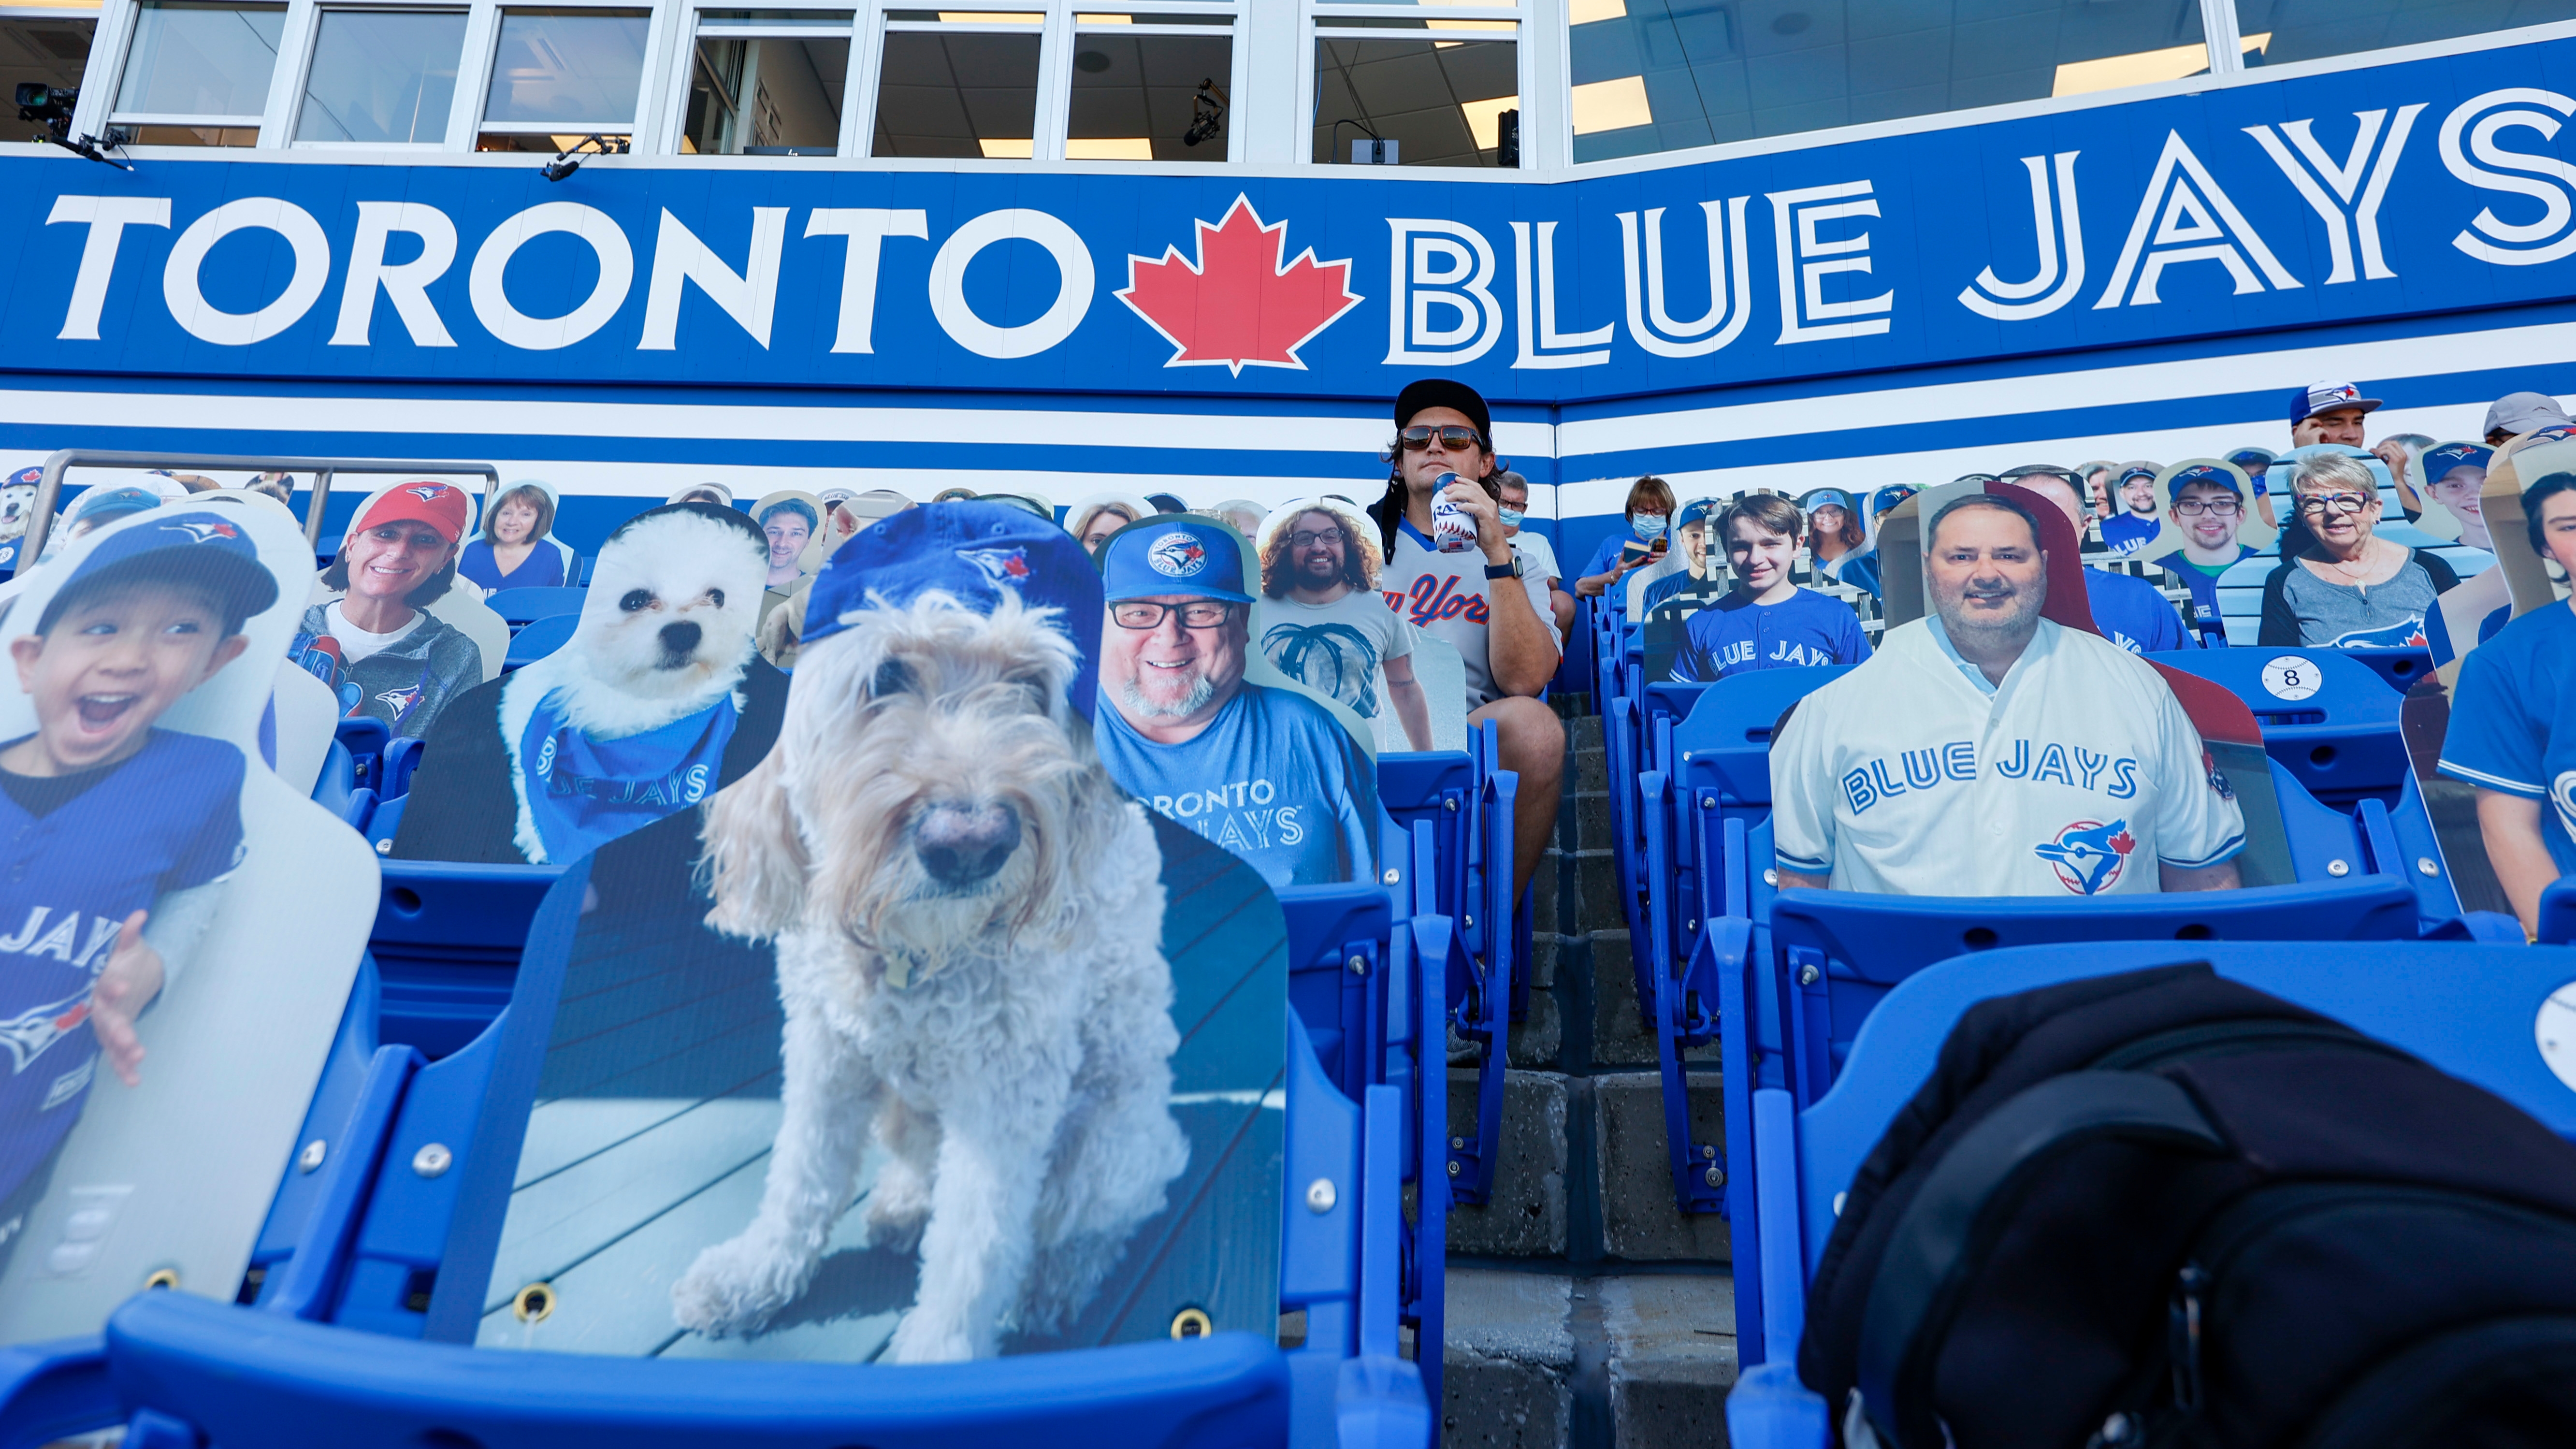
(1264, 772)
(2207, 503)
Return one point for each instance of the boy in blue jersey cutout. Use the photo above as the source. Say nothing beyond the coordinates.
(2208, 506)
(1765, 621)
(2512, 732)
(1267, 773)
(108, 815)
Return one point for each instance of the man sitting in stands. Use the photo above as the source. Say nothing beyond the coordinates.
(1987, 751)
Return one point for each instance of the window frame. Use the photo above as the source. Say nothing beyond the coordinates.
(1531, 19)
(466, 126)
(674, 122)
(294, 100)
(131, 17)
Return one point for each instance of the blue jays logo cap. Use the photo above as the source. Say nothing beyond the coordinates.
(1174, 555)
(1887, 498)
(2441, 461)
(100, 505)
(2253, 460)
(975, 552)
(2326, 397)
(2209, 473)
(199, 548)
(1698, 510)
(1815, 498)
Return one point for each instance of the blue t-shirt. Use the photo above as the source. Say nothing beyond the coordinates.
(2131, 613)
(2204, 591)
(2126, 533)
(543, 568)
(1860, 570)
(166, 820)
(1273, 778)
(1736, 635)
(2513, 721)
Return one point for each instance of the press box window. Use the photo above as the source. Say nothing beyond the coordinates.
(45, 52)
(2277, 33)
(767, 83)
(1659, 75)
(958, 83)
(560, 75)
(382, 77)
(1149, 87)
(197, 74)
(1445, 91)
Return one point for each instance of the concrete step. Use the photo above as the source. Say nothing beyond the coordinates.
(1524, 1217)
(1640, 1220)
(1583, 733)
(1537, 1360)
(1619, 1035)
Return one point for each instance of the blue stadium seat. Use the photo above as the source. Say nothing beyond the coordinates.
(446, 944)
(2334, 723)
(521, 607)
(2558, 913)
(349, 1262)
(401, 759)
(540, 639)
(365, 736)
(2465, 1008)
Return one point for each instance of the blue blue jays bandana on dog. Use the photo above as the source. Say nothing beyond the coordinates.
(582, 793)
(976, 552)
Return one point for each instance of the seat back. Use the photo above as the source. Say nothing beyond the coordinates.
(447, 942)
(540, 638)
(2326, 716)
(520, 607)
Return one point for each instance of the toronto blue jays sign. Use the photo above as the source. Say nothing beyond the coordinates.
(2429, 186)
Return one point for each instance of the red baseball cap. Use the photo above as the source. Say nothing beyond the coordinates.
(442, 506)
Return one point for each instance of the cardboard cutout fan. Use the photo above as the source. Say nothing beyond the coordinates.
(388, 625)
(1322, 622)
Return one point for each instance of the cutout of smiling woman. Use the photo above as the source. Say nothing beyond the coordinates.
(398, 663)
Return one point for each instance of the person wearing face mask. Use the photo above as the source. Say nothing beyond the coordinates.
(1986, 750)
(1538, 556)
(1765, 621)
(1702, 578)
(1649, 511)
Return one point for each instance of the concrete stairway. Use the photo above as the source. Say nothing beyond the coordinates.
(1583, 1309)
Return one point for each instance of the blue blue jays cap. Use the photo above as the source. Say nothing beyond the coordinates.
(1699, 510)
(2444, 459)
(2209, 473)
(2326, 397)
(1176, 555)
(1887, 498)
(99, 505)
(205, 549)
(1815, 498)
(974, 551)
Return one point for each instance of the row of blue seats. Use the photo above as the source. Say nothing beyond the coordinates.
(347, 1262)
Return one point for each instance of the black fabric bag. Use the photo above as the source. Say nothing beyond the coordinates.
(2163, 1208)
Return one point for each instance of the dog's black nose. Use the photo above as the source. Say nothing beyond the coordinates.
(963, 845)
(680, 638)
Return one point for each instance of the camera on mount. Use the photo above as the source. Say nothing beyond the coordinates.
(49, 106)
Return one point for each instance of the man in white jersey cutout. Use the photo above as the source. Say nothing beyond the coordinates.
(1988, 751)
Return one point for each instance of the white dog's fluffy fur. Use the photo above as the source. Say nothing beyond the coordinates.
(619, 674)
(1004, 1027)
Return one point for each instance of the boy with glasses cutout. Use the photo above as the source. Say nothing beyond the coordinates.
(2208, 506)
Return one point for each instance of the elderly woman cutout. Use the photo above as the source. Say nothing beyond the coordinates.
(2351, 589)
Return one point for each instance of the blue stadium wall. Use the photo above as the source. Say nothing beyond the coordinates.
(2144, 277)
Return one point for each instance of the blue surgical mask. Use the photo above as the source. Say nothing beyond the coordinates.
(1511, 517)
(1649, 526)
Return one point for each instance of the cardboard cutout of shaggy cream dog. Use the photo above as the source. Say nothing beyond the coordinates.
(655, 703)
(946, 1048)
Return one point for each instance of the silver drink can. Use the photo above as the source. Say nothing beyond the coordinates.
(1452, 531)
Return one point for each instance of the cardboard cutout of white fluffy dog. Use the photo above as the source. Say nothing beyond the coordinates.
(967, 915)
(655, 703)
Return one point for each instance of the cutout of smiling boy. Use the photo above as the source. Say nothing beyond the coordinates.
(103, 815)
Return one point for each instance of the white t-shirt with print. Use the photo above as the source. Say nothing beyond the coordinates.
(1338, 649)
(1912, 775)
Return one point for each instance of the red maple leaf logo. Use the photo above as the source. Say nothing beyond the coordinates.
(1241, 303)
(2123, 843)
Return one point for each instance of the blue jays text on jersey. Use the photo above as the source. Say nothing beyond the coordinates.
(1913, 771)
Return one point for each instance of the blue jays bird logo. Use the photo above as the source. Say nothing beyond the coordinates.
(2404, 634)
(427, 492)
(1177, 555)
(26, 1035)
(204, 532)
(1001, 565)
(401, 699)
(2088, 856)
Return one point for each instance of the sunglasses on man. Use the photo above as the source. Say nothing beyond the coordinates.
(1453, 438)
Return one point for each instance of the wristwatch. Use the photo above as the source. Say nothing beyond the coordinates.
(1510, 570)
